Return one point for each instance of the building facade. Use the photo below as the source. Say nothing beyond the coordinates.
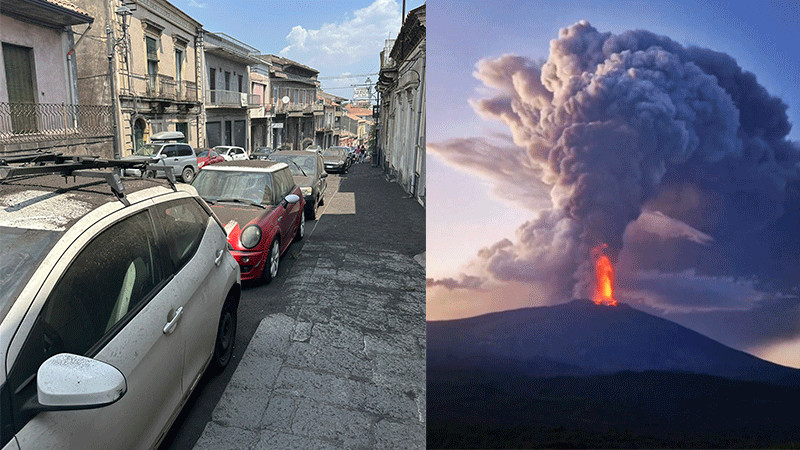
(39, 107)
(156, 69)
(401, 85)
(227, 96)
(261, 115)
(293, 102)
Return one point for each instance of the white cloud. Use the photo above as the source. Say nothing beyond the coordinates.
(197, 4)
(358, 36)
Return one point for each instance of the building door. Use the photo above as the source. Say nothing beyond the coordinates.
(213, 134)
(228, 140)
(138, 134)
(20, 85)
(240, 133)
(212, 83)
(183, 127)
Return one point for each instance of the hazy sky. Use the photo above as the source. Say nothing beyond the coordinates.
(737, 293)
(335, 37)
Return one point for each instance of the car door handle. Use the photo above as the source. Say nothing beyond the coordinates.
(170, 326)
(218, 260)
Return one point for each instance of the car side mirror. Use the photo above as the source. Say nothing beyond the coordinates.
(291, 199)
(66, 381)
(323, 175)
(162, 155)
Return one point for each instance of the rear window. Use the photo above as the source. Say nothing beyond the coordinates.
(185, 150)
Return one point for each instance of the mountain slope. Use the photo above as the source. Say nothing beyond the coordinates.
(581, 338)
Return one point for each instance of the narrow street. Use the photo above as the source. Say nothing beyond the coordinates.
(332, 352)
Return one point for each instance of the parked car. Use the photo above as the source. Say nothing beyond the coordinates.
(179, 156)
(261, 153)
(336, 159)
(114, 299)
(231, 153)
(309, 173)
(206, 156)
(261, 207)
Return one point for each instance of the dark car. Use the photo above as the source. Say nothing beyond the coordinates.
(261, 208)
(309, 173)
(336, 159)
(261, 153)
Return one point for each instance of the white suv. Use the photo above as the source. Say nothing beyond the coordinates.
(114, 298)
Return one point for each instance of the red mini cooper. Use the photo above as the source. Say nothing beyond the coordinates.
(261, 208)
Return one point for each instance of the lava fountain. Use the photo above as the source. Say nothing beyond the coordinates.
(603, 277)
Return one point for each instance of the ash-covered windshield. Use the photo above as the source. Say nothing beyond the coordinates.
(222, 185)
(21, 251)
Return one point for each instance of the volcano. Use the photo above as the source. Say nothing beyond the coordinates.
(582, 338)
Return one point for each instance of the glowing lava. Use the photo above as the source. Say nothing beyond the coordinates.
(603, 277)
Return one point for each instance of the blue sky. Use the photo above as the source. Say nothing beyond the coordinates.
(467, 211)
(334, 37)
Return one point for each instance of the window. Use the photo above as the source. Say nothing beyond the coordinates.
(111, 279)
(227, 81)
(184, 223)
(212, 83)
(185, 150)
(240, 84)
(152, 62)
(275, 95)
(170, 151)
(179, 65)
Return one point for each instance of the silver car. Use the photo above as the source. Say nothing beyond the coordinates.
(180, 157)
(114, 299)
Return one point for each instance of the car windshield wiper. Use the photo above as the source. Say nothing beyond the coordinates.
(239, 200)
(301, 169)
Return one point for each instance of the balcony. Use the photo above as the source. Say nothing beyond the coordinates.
(39, 122)
(231, 99)
(159, 87)
(293, 108)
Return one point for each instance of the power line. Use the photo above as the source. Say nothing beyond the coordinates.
(338, 77)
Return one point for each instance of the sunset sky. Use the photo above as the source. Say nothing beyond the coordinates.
(646, 133)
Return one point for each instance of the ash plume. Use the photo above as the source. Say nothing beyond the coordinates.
(617, 125)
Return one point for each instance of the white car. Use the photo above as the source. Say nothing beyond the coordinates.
(114, 299)
(231, 153)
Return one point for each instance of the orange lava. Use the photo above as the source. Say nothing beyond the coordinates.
(603, 277)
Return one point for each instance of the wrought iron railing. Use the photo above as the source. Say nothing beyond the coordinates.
(34, 122)
(281, 107)
(230, 99)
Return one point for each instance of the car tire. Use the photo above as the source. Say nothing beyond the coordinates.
(321, 199)
(226, 335)
(272, 261)
(187, 175)
(301, 228)
(150, 174)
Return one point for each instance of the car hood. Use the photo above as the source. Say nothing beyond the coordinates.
(304, 181)
(237, 217)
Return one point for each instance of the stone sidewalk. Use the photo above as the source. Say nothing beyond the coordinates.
(345, 366)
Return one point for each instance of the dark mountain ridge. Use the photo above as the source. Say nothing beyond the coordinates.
(581, 338)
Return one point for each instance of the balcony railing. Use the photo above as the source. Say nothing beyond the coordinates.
(231, 99)
(281, 108)
(161, 87)
(34, 122)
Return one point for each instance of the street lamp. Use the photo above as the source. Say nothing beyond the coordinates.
(124, 13)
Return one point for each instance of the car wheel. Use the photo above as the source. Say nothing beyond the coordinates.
(150, 174)
(226, 336)
(272, 261)
(187, 175)
(321, 199)
(301, 228)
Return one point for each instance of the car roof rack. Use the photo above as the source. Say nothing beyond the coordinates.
(47, 163)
